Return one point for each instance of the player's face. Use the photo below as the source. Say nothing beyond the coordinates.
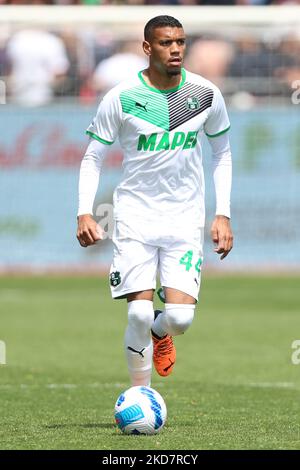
(166, 49)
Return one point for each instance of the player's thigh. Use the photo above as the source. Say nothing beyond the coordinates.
(175, 296)
(134, 269)
(142, 295)
(180, 269)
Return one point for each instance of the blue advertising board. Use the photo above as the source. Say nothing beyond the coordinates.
(40, 154)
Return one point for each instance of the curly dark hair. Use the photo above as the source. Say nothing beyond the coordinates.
(160, 22)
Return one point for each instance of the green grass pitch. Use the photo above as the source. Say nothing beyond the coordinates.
(234, 385)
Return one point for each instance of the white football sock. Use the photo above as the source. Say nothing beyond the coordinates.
(174, 320)
(138, 341)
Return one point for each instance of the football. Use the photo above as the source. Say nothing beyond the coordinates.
(140, 410)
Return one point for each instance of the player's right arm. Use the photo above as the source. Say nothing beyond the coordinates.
(88, 231)
(103, 132)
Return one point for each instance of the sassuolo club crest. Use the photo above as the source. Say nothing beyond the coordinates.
(115, 278)
(192, 103)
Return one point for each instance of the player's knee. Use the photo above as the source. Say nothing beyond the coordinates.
(178, 318)
(140, 314)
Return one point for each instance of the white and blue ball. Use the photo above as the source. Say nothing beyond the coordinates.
(140, 410)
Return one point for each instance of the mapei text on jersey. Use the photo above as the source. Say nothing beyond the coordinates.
(166, 141)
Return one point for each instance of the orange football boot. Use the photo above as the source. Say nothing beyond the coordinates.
(164, 353)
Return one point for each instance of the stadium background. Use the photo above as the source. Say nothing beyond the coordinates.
(257, 65)
(41, 146)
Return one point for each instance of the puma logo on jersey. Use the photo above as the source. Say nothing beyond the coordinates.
(167, 141)
(143, 106)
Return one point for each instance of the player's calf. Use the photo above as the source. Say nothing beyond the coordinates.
(174, 320)
(138, 342)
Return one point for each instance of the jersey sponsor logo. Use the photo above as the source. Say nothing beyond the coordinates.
(166, 141)
(192, 103)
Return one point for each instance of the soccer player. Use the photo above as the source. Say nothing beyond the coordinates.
(159, 116)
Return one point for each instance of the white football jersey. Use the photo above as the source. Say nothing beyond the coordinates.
(160, 133)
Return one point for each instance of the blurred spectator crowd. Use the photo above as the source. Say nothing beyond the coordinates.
(40, 67)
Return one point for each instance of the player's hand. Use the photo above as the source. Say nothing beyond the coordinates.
(88, 232)
(221, 235)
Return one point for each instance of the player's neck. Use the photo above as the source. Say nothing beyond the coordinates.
(161, 82)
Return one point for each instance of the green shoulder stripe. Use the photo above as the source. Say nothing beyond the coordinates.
(142, 103)
(219, 133)
(96, 137)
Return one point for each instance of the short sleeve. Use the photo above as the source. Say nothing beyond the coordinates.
(217, 121)
(106, 124)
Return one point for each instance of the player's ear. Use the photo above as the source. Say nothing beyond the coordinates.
(147, 48)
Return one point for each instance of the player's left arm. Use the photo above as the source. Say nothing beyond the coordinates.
(216, 128)
(221, 235)
(221, 232)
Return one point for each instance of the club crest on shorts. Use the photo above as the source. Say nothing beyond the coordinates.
(115, 278)
(192, 103)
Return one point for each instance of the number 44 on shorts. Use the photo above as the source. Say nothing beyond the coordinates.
(187, 260)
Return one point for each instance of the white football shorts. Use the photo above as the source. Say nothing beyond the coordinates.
(142, 252)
